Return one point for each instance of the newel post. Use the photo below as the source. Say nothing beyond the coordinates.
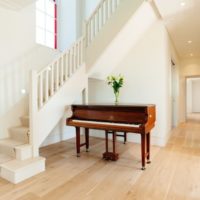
(33, 109)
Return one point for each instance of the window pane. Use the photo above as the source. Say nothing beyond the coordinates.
(50, 39)
(40, 36)
(49, 7)
(45, 22)
(40, 19)
(50, 24)
(40, 5)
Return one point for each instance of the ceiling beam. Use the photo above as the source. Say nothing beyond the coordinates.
(155, 8)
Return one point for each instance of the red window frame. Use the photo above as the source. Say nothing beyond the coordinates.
(55, 25)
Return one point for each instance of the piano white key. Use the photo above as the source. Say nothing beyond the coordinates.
(107, 123)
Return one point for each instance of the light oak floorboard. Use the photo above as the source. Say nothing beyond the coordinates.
(174, 173)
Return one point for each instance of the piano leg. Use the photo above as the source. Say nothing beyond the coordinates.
(148, 148)
(143, 151)
(87, 139)
(78, 141)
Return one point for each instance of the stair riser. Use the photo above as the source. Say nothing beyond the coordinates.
(25, 121)
(7, 150)
(19, 135)
(23, 152)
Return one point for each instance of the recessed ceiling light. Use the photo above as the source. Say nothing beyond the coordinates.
(191, 54)
(182, 3)
(189, 41)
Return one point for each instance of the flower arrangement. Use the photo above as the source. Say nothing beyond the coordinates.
(116, 82)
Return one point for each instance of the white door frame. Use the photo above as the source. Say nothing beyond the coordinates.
(188, 77)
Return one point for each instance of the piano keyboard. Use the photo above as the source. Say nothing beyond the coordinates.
(108, 123)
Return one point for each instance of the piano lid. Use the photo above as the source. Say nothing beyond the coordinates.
(122, 113)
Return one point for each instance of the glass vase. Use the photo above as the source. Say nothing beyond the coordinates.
(116, 97)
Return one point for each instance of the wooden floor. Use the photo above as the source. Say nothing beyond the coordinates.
(174, 173)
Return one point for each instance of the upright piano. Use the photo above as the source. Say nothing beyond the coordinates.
(127, 118)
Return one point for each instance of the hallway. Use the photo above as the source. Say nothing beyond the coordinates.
(173, 174)
(193, 117)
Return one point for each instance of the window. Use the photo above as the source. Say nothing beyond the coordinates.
(46, 23)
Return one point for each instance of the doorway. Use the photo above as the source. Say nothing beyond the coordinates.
(193, 99)
(174, 94)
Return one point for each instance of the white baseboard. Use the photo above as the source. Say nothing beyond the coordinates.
(54, 138)
(158, 141)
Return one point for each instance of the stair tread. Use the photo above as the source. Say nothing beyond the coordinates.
(14, 165)
(23, 128)
(11, 143)
(26, 145)
(5, 158)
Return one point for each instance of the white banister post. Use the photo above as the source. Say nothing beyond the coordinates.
(85, 94)
(84, 43)
(85, 32)
(33, 109)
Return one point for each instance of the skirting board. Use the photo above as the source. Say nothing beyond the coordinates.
(135, 138)
(54, 138)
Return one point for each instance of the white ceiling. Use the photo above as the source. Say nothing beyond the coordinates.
(15, 4)
(183, 24)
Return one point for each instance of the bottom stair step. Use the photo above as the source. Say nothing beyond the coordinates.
(16, 171)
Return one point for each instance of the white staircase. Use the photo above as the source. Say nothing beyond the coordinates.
(51, 90)
(16, 161)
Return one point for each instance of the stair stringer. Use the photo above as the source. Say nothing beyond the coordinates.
(110, 53)
(50, 114)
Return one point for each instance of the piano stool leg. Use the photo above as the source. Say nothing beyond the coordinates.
(78, 141)
(87, 139)
(106, 134)
(111, 155)
(148, 148)
(143, 152)
(125, 137)
(114, 142)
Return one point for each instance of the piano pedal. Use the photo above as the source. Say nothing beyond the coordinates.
(111, 156)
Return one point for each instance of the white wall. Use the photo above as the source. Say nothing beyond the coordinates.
(189, 68)
(19, 53)
(17, 37)
(128, 24)
(189, 95)
(174, 94)
(17, 33)
(13, 78)
(90, 5)
(70, 19)
(196, 95)
(61, 131)
(146, 70)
